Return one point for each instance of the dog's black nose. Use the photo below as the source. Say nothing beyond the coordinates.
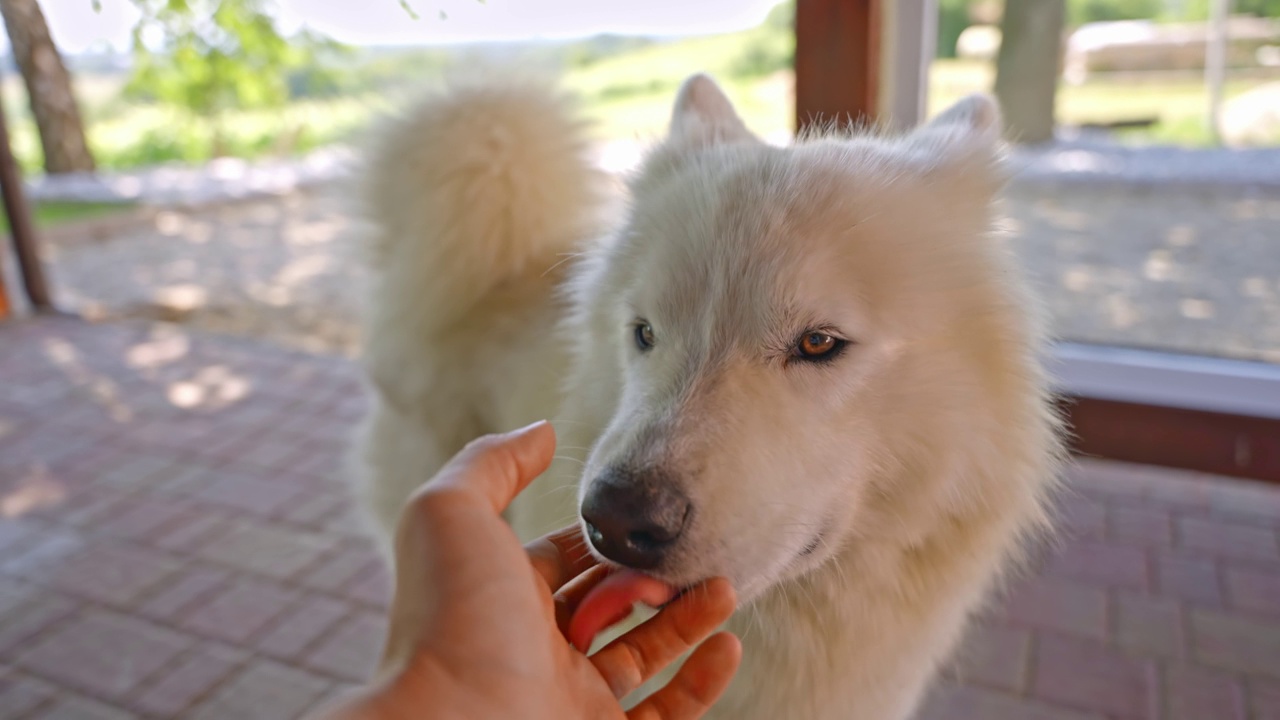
(634, 518)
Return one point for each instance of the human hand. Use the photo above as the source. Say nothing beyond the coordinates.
(477, 622)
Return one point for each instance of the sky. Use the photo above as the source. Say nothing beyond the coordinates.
(76, 27)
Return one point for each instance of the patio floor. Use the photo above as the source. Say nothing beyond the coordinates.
(175, 541)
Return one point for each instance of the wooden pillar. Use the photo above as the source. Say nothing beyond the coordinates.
(21, 228)
(837, 61)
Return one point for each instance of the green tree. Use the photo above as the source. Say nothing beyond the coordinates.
(210, 56)
(770, 47)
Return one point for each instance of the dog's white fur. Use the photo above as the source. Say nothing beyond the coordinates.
(862, 508)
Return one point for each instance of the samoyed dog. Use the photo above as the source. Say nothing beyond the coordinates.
(813, 370)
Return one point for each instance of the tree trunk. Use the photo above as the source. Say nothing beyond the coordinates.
(1027, 67)
(53, 104)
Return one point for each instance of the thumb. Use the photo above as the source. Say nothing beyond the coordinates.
(500, 466)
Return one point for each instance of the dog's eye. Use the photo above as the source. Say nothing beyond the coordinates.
(644, 335)
(818, 347)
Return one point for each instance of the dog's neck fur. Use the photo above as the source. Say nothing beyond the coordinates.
(872, 670)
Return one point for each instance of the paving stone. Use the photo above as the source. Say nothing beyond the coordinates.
(19, 695)
(1198, 694)
(193, 677)
(1254, 591)
(969, 703)
(302, 627)
(1192, 579)
(73, 708)
(1102, 565)
(995, 656)
(1230, 540)
(264, 690)
(351, 651)
(240, 612)
(1150, 625)
(1235, 643)
(1146, 527)
(274, 551)
(1060, 606)
(1090, 676)
(105, 654)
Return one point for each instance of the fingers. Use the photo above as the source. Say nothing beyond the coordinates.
(500, 466)
(570, 595)
(561, 556)
(640, 654)
(699, 683)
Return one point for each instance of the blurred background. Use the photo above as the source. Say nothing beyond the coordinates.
(177, 538)
(181, 103)
(172, 104)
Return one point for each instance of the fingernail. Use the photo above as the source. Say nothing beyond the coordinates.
(526, 429)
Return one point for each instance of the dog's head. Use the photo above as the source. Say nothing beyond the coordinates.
(794, 340)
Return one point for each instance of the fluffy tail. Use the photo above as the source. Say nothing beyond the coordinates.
(485, 181)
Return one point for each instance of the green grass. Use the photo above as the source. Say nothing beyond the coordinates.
(50, 214)
(127, 135)
(628, 95)
(1180, 104)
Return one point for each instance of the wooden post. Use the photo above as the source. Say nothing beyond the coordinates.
(20, 225)
(837, 61)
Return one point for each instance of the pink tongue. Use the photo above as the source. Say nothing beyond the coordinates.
(611, 601)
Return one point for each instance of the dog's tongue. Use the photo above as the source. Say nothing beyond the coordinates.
(611, 601)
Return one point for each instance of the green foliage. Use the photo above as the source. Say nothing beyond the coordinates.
(1261, 8)
(155, 135)
(782, 17)
(210, 56)
(763, 54)
(953, 18)
(585, 53)
(768, 48)
(385, 70)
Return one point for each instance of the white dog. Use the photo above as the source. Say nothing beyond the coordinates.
(812, 370)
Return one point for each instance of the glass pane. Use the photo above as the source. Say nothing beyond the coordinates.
(1142, 226)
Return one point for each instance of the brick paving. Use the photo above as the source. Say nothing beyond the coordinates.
(175, 542)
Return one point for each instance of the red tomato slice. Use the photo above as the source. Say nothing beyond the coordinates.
(611, 601)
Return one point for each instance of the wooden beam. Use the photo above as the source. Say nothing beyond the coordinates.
(1210, 442)
(837, 61)
(21, 227)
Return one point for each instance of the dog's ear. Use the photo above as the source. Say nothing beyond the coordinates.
(704, 116)
(970, 129)
(962, 146)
